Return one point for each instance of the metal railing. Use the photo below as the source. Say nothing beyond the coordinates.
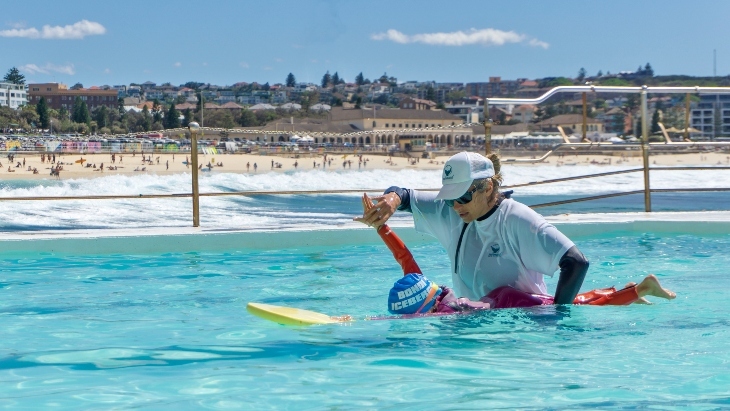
(643, 91)
(644, 144)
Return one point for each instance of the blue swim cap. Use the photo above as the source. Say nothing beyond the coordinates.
(412, 294)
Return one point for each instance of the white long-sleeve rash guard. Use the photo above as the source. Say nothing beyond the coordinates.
(513, 246)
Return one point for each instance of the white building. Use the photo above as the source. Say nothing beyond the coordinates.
(470, 113)
(13, 95)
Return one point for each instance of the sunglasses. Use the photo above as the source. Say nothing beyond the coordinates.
(465, 199)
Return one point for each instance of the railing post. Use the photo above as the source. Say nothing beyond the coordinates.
(645, 148)
(194, 128)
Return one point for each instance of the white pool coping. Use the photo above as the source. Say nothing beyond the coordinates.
(202, 239)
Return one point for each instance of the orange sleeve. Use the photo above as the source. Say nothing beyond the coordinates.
(608, 296)
(399, 250)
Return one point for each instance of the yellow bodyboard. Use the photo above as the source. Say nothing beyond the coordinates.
(289, 315)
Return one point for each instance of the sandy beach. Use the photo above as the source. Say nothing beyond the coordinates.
(162, 164)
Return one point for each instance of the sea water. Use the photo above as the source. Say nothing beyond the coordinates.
(170, 331)
(321, 211)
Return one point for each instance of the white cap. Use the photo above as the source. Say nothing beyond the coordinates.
(460, 171)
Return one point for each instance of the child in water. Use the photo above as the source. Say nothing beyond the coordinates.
(415, 294)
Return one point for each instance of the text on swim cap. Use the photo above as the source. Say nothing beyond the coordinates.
(413, 293)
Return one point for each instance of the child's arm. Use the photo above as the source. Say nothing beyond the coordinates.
(394, 243)
(399, 250)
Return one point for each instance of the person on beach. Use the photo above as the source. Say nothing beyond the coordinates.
(415, 294)
(492, 240)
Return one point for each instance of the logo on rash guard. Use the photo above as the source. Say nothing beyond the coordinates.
(495, 250)
(447, 173)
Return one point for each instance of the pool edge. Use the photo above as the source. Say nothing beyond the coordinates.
(189, 239)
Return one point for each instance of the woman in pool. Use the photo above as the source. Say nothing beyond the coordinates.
(415, 294)
(491, 239)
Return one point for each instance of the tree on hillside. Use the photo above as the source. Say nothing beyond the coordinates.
(77, 86)
(359, 79)
(615, 82)
(326, 79)
(554, 82)
(358, 102)
(655, 119)
(382, 99)
(146, 121)
(247, 119)
(44, 119)
(600, 73)
(188, 117)
(199, 104)
(632, 102)
(266, 87)
(193, 85)
(384, 78)
(63, 113)
(455, 95)
(80, 113)
(101, 116)
(648, 71)
(581, 75)
(156, 111)
(120, 107)
(14, 76)
(309, 99)
(637, 127)
(291, 81)
(430, 94)
(172, 118)
(550, 111)
(336, 79)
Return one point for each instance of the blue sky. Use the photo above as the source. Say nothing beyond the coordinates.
(224, 42)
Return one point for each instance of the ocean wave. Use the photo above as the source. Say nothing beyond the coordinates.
(282, 210)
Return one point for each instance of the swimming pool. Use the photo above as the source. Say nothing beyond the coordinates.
(144, 322)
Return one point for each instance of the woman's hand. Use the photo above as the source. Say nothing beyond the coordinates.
(376, 215)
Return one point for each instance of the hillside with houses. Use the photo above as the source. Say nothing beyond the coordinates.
(397, 108)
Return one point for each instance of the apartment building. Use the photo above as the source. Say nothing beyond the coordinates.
(711, 116)
(13, 95)
(495, 87)
(59, 95)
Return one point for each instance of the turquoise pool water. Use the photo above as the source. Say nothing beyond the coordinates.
(169, 331)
